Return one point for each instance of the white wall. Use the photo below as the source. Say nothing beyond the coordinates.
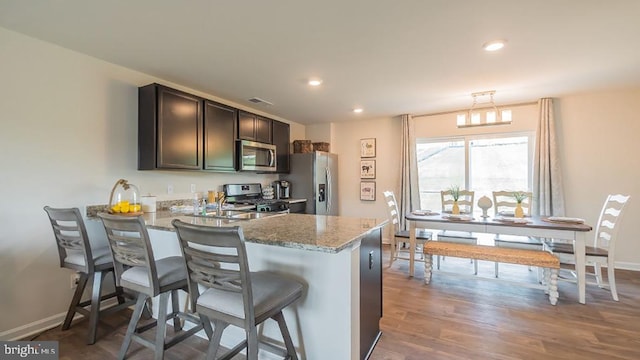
(69, 131)
(600, 155)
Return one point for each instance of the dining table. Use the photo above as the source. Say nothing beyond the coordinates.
(569, 230)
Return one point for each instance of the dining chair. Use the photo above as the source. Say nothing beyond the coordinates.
(216, 260)
(504, 204)
(137, 270)
(466, 204)
(400, 237)
(603, 250)
(90, 262)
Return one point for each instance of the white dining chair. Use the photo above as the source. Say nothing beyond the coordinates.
(603, 250)
(504, 204)
(399, 236)
(465, 204)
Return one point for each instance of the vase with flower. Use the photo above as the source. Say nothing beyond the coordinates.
(519, 196)
(455, 194)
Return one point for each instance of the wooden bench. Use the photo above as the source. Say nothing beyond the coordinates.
(543, 259)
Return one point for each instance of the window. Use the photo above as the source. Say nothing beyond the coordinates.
(479, 163)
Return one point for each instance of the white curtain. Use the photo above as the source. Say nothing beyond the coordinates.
(409, 198)
(547, 178)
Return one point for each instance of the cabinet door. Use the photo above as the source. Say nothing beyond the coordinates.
(263, 130)
(219, 137)
(281, 135)
(246, 126)
(370, 290)
(179, 130)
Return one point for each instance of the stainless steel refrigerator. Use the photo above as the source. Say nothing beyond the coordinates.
(314, 176)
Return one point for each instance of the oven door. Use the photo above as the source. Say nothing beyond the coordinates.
(256, 156)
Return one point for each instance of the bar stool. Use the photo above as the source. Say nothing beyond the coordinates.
(75, 253)
(137, 270)
(216, 259)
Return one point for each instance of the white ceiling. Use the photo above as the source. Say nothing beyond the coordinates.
(389, 57)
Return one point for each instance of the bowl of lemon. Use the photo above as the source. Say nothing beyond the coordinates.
(125, 199)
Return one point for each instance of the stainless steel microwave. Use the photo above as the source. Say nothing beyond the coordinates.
(256, 156)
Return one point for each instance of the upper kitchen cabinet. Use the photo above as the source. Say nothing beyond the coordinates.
(219, 136)
(253, 127)
(281, 139)
(170, 129)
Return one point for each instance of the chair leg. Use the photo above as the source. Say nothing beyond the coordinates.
(252, 344)
(475, 266)
(214, 344)
(175, 306)
(597, 272)
(438, 262)
(94, 314)
(162, 325)
(291, 350)
(611, 277)
(131, 328)
(495, 272)
(119, 290)
(394, 243)
(206, 324)
(77, 297)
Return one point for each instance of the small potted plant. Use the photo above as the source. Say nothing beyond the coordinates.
(455, 194)
(519, 196)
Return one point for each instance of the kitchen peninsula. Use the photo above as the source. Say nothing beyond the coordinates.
(339, 260)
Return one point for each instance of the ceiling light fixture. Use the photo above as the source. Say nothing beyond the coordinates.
(492, 116)
(494, 45)
(357, 110)
(315, 82)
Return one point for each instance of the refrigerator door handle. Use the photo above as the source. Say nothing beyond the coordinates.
(328, 176)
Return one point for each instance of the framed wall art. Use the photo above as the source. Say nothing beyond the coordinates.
(368, 148)
(367, 169)
(367, 191)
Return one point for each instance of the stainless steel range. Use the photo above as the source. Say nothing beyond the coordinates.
(251, 194)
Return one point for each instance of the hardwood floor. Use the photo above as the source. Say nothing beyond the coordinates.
(452, 318)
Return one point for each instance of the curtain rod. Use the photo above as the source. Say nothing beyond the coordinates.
(457, 111)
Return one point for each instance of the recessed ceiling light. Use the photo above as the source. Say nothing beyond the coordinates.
(357, 110)
(494, 45)
(315, 82)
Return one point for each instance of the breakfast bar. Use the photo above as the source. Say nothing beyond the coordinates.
(337, 258)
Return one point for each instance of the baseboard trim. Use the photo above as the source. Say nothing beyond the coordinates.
(29, 330)
(36, 327)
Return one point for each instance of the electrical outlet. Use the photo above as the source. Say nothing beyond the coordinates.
(170, 189)
(193, 188)
(75, 279)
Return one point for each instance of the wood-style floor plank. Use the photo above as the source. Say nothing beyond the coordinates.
(451, 319)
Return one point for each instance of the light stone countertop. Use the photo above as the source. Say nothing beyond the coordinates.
(322, 233)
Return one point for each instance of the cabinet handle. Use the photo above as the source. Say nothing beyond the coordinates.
(370, 259)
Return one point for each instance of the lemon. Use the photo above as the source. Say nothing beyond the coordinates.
(135, 208)
(115, 208)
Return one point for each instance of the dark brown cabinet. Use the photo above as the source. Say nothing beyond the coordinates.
(169, 129)
(281, 134)
(219, 136)
(254, 127)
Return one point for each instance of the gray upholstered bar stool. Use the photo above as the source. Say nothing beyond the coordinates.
(138, 270)
(76, 253)
(216, 259)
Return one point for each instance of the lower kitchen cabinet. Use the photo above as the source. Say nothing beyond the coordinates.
(370, 290)
(219, 136)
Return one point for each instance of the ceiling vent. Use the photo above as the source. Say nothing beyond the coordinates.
(257, 100)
